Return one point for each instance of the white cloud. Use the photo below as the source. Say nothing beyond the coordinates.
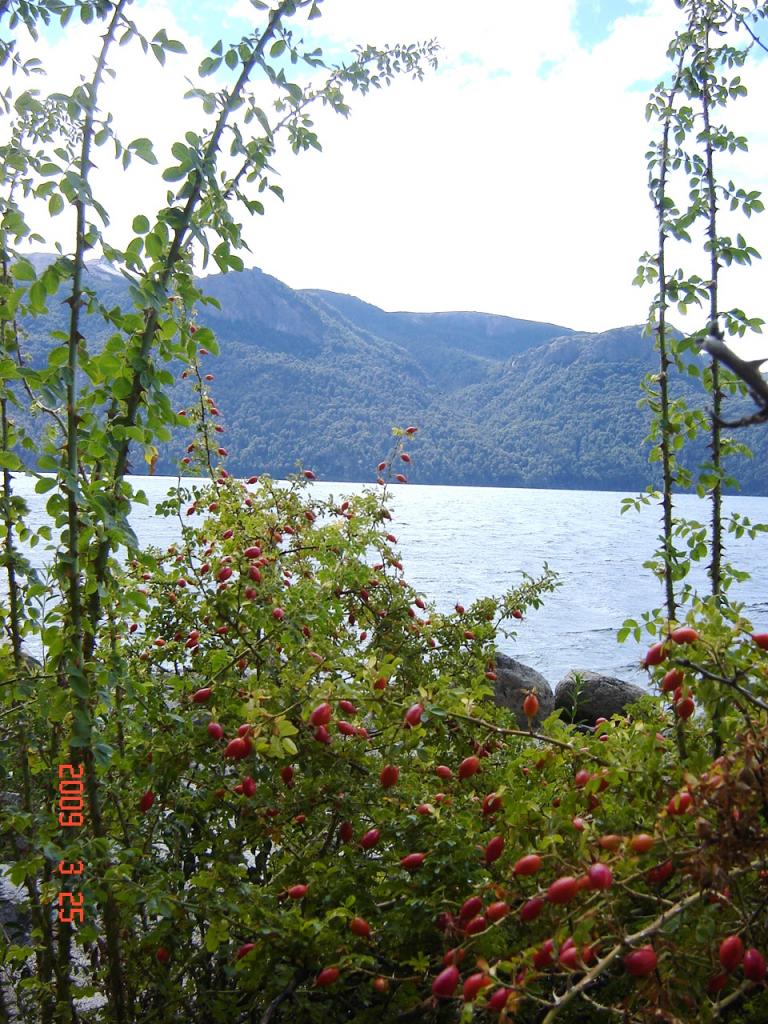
(488, 186)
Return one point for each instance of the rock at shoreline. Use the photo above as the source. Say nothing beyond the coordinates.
(596, 696)
(513, 681)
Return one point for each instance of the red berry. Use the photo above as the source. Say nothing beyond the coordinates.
(347, 707)
(469, 766)
(531, 705)
(672, 680)
(238, 748)
(494, 849)
(527, 865)
(496, 911)
(659, 874)
(531, 910)
(279, 614)
(491, 804)
(360, 927)
(286, 774)
(473, 985)
(498, 1000)
(610, 842)
(322, 735)
(684, 635)
(562, 890)
(569, 955)
(680, 803)
(761, 639)
(162, 955)
(380, 984)
(146, 801)
(641, 962)
(413, 715)
(443, 771)
(370, 838)
(298, 892)
(249, 786)
(201, 696)
(731, 952)
(476, 925)
(654, 655)
(543, 956)
(754, 965)
(717, 983)
(224, 573)
(578, 823)
(470, 908)
(252, 552)
(684, 708)
(345, 831)
(245, 950)
(445, 983)
(443, 922)
(389, 776)
(600, 876)
(412, 861)
(641, 843)
(327, 976)
(215, 731)
(581, 778)
(346, 728)
(321, 715)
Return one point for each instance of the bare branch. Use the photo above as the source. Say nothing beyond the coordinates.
(269, 1014)
(746, 370)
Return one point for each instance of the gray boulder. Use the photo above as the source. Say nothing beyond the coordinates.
(595, 695)
(513, 681)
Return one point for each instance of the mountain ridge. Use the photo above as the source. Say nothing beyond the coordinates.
(322, 377)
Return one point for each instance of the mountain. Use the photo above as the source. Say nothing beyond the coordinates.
(440, 341)
(320, 377)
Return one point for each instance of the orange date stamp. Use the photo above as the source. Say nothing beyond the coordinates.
(71, 807)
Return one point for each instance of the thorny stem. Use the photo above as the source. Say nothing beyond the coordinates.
(631, 940)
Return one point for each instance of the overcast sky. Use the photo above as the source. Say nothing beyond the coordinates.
(512, 180)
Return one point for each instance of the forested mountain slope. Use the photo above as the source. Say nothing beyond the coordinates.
(321, 378)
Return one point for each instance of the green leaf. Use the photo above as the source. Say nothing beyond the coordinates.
(140, 224)
(175, 173)
(142, 147)
(23, 270)
(10, 460)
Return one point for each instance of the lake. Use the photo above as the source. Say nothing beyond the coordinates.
(460, 543)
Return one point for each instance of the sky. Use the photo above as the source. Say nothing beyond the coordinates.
(512, 180)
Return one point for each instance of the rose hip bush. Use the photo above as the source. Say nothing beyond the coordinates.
(315, 811)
